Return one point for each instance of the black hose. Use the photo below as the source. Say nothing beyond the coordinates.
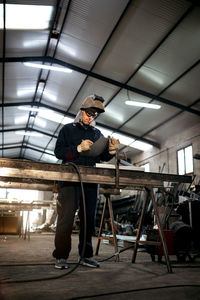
(135, 290)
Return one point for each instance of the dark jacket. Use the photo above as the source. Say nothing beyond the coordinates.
(70, 136)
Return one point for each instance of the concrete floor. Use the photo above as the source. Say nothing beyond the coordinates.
(23, 260)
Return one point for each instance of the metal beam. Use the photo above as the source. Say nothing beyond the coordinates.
(155, 144)
(29, 129)
(10, 168)
(25, 147)
(51, 60)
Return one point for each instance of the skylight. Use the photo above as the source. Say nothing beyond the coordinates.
(26, 16)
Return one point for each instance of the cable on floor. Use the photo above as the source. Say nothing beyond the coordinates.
(135, 290)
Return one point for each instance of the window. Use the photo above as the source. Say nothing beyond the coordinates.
(185, 160)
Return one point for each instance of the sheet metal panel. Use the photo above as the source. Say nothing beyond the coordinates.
(89, 23)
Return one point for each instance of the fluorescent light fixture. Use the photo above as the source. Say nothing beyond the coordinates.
(48, 67)
(25, 92)
(34, 44)
(55, 117)
(21, 120)
(29, 133)
(26, 16)
(141, 146)
(48, 114)
(142, 104)
(125, 140)
(28, 108)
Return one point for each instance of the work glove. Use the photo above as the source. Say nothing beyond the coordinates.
(113, 145)
(84, 146)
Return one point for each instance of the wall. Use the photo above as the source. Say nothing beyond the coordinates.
(167, 155)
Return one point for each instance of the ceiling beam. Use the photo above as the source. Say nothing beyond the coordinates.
(103, 48)
(153, 52)
(167, 120)
(53, 29)
(28, 129)
(25, 147)
(52, 60)
(153, 143)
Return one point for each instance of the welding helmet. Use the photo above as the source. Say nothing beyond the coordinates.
(93, 102)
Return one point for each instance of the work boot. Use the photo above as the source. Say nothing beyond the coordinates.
(89, 262)
(61, 263)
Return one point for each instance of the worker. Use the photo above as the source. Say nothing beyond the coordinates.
(73, 140)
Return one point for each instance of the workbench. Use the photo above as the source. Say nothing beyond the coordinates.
(42, 176)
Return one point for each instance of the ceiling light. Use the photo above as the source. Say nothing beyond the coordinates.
(141, 145)
(142, 104)
(21, 120)
(34, 44)
(25, 92)
(29, 133)
(26, 16)
(28, 108)
(48, 114)
(48, 67)
(55, 117)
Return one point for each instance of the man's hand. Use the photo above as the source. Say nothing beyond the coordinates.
(113, 145)
(84, 146)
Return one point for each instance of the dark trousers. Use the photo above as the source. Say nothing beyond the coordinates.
(69, 200)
